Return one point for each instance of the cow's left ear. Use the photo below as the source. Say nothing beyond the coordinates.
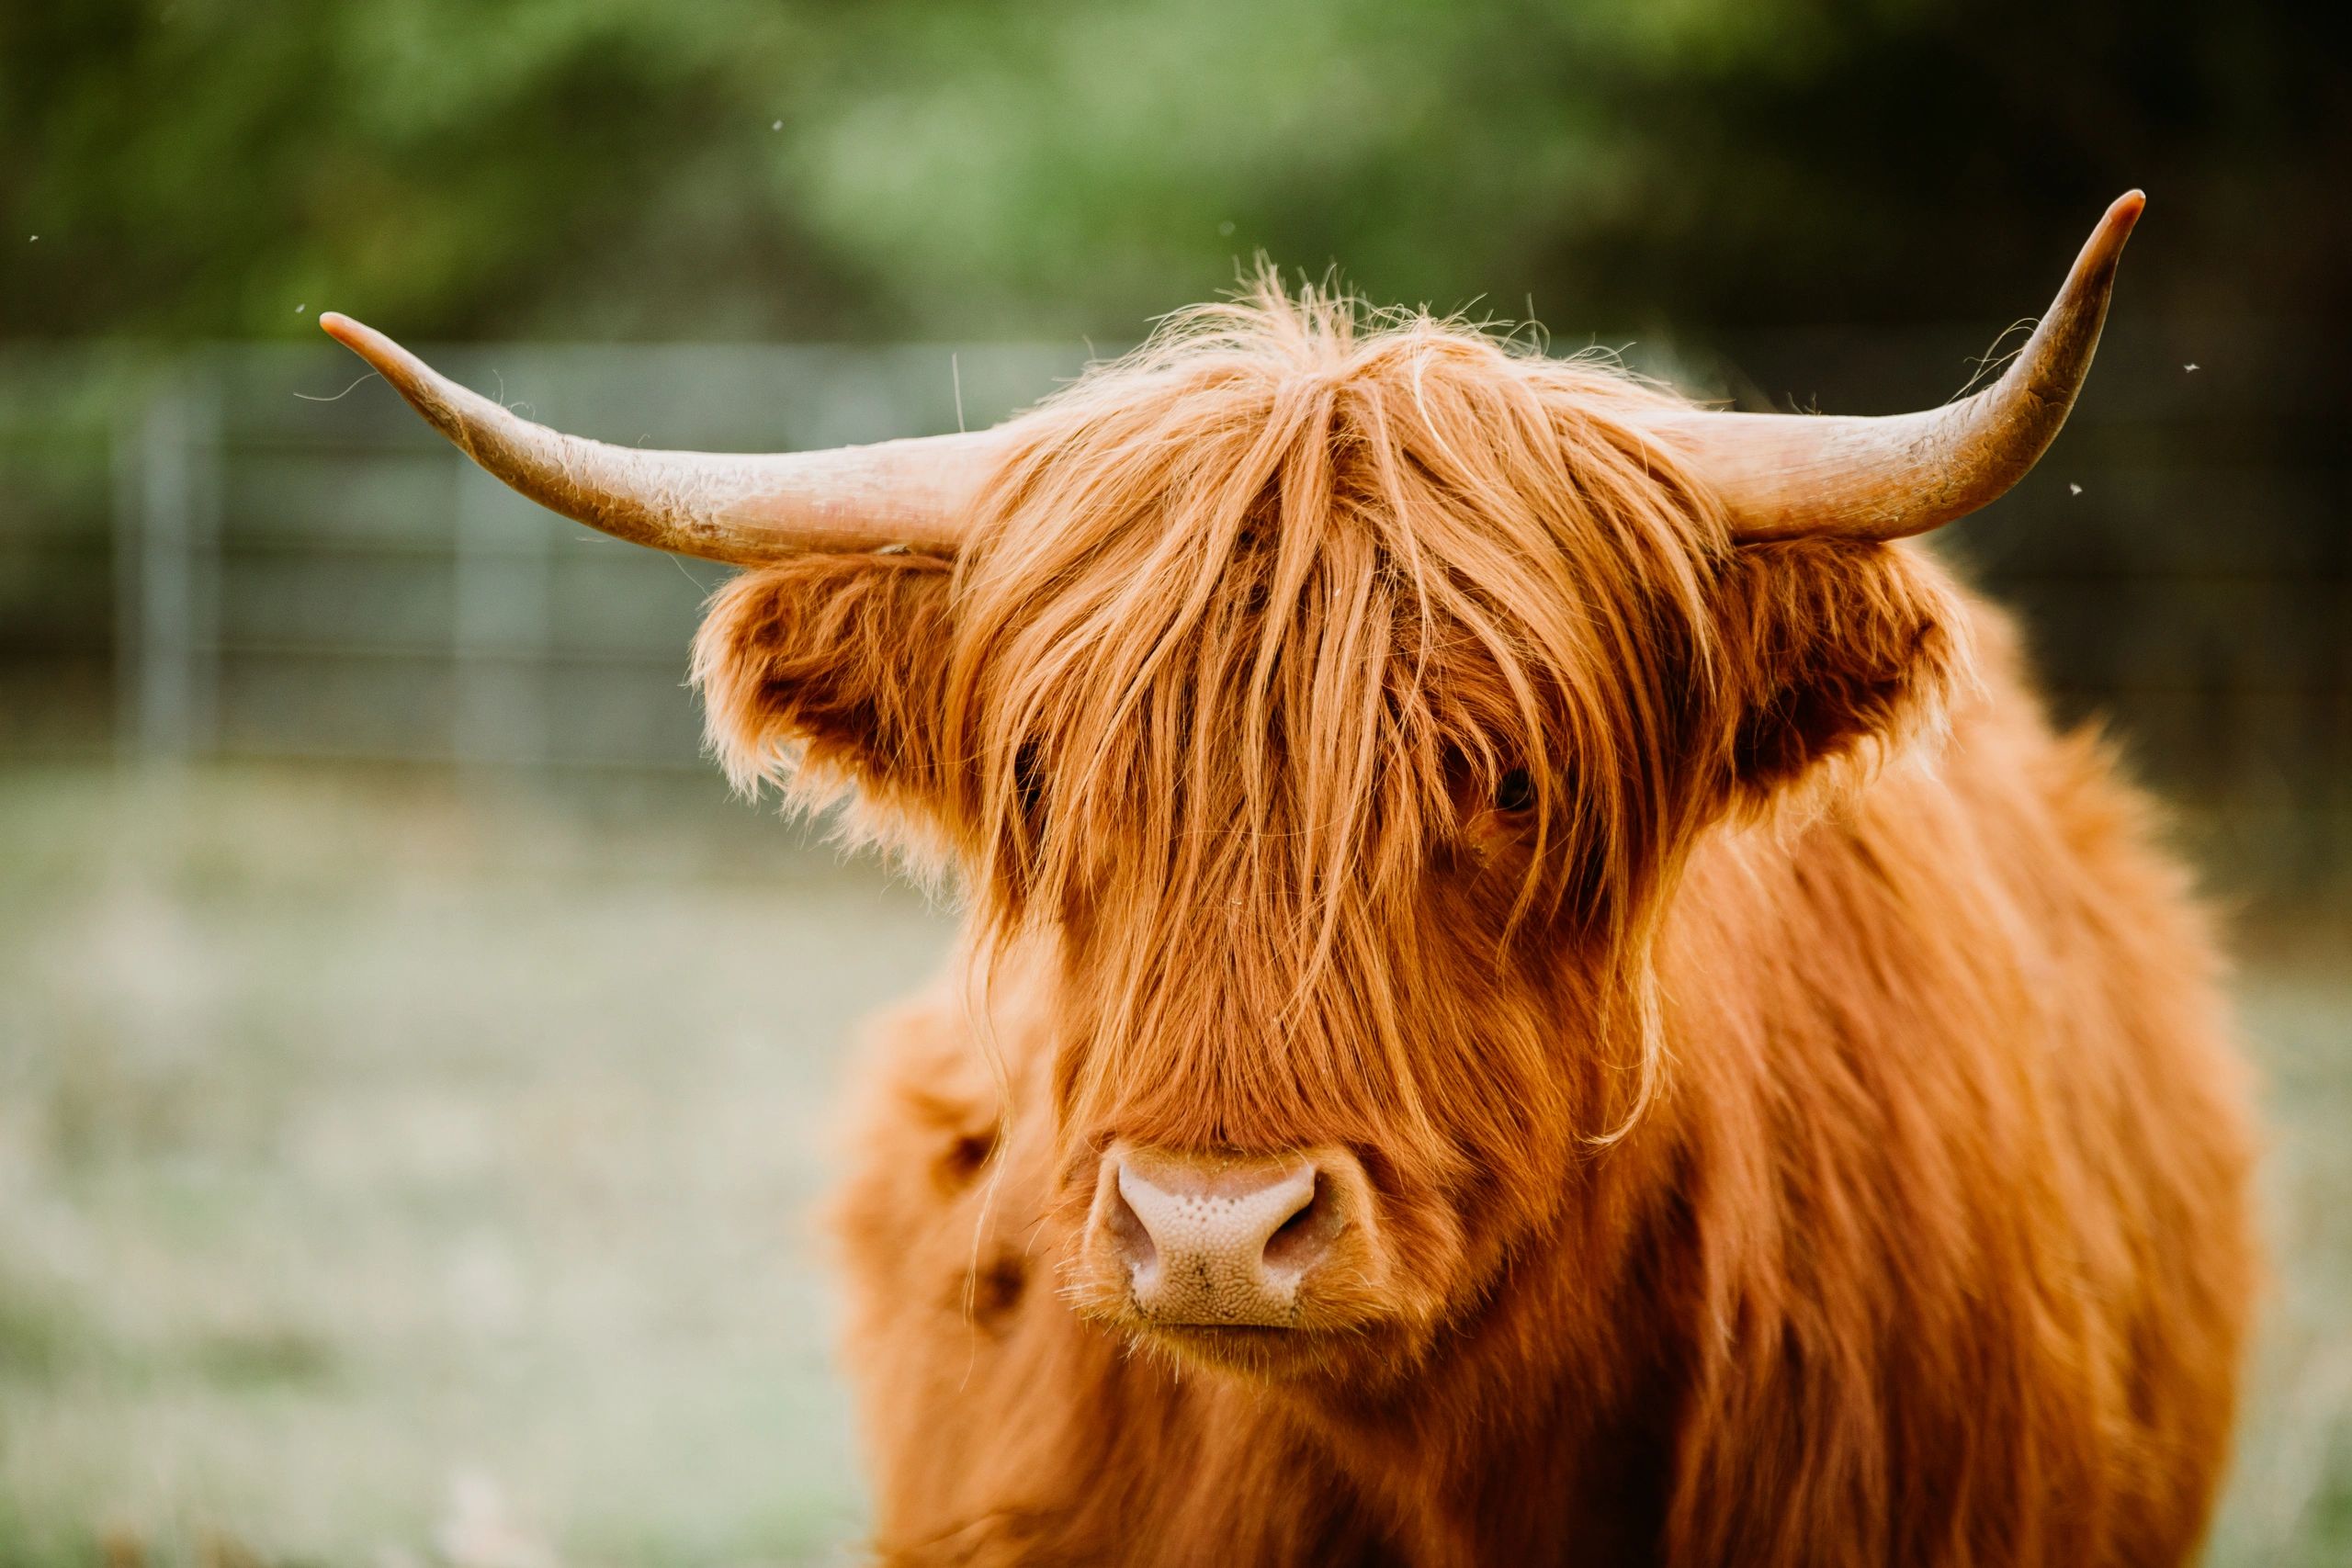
(825, 670)
(1829, 651)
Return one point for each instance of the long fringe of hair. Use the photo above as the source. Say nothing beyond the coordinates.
(1252, 613)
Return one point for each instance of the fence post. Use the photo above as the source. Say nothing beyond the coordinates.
(167, 479)
(499, 628)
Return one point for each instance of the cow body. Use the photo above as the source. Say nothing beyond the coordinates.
(1538, 988)
(1933, 1252)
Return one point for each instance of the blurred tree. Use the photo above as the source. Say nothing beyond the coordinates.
(730, 168)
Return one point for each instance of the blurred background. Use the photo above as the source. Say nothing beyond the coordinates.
(415, 1068)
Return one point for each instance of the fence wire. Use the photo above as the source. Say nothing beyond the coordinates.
(242, 552)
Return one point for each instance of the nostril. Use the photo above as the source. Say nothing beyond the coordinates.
(1128, 1232)
(1307, 1235)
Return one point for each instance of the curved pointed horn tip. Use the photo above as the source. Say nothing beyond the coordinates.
(398, 365)
(2104, 247)
(441, 401)
(354, 335)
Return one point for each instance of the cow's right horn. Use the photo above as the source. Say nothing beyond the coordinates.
(719, 506)
(1789, 476)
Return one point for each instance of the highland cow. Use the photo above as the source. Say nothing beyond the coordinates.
(1539, 986)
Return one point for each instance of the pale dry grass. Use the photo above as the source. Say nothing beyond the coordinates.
(394, 1178)
(387, 1179)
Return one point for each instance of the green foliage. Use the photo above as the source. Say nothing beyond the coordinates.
(725, 168)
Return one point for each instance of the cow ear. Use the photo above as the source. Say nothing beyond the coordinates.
(828, 670)
(1832, 651)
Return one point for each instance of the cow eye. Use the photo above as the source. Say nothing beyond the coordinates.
(1029, 783)
(1514, 791)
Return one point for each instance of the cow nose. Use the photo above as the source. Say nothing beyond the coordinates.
(1217, 1240)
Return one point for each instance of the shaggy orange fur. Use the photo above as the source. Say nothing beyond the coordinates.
(1804, 1110)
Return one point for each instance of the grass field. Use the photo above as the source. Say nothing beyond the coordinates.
(391, 1176)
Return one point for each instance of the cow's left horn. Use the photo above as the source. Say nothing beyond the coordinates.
(1786, 476)
(719, 506)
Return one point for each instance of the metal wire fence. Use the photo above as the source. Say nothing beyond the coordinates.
(244, 552)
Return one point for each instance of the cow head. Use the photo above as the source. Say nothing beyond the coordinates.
(1325, 704)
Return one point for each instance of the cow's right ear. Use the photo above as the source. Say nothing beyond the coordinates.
(825, 670)
(1830, 651)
